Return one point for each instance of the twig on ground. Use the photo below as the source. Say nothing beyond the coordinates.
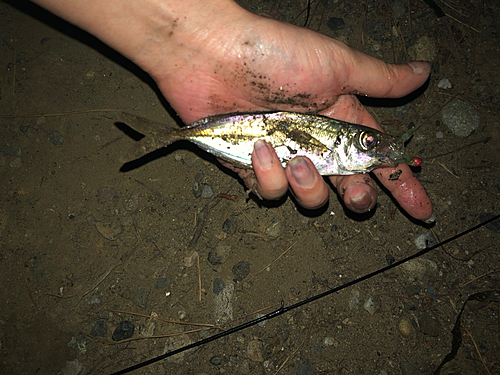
(154, 336)
(478, 277)
(477, 350)
(199, 279)
(162, 319)
(96, 284)
(447, 170)
(98, 149)
(29, 291)
(64, 113)
(262, 270)
(155, 192)
(298, 347)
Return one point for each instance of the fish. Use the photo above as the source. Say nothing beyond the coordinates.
(335, 147)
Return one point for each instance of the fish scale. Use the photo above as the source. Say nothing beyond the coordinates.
(334, 146)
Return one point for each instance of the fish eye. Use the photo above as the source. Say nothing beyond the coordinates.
(368, 140)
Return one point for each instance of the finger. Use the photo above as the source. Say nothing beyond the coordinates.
(408, 191)
(306, 183)
(357, 192)
(375, 78)
(271, 179)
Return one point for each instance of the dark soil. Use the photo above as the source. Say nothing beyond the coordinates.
(80, 237)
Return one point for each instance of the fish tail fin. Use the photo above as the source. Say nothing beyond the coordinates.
(156, 135)
(142, 148)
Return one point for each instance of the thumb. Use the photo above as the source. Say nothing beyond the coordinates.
(372, 77)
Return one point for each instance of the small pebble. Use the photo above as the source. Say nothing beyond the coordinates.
(191, 161)
(254, 351)
(56, 138)
(74, 368)
(328, 341)
(444, 84)
(105, 194)
(460, 117)
(335, 23)
(27, 128)
(218, 286)
(439, 135)
(402, 110)
(223, 293)
(198, 177)
(429, 325)
(99, 329)
(389, 259)
(94, 300)
(354, 300)
(369, 305)
(207, 192)
(215, 360)
(423, 49)
(219, 255)
(419, 269)
(191, 259)
(16, 163)
(13, 151)
(404, 327)
(424, 240)
(80, 342)
(263, 323)
(44, 41)
(275, 229)
(110, 230)
(124, 330)
(305, 368)
(163, 283)
(229, 226)
(131, 203)
(412, 290)
(140, 297)
(241, 270)
(197, 189)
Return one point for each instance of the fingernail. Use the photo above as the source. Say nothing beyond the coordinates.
(263, 154)
(420, 67)
(302, 172)
(362, 202)
(432, 219)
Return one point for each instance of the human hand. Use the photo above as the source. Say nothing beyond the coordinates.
(260, 64)
(214, 57)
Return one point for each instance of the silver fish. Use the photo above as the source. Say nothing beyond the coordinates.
(335, 147)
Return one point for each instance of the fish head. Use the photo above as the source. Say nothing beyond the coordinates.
(364, 149)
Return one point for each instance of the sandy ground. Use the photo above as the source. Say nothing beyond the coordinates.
(81, 239)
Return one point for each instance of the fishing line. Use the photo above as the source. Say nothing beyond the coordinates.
(284, 309)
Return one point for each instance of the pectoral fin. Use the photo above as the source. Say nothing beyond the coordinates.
(306, 140)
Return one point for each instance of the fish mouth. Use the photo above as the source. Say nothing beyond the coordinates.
(389, 152)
